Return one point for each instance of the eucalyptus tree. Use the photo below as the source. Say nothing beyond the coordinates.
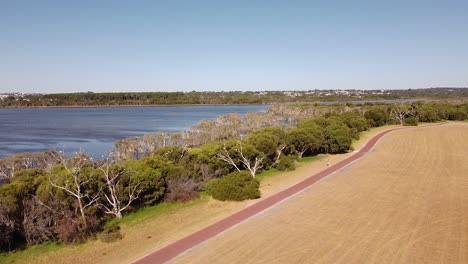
(120, 190)
(241, 155)
(72, 178)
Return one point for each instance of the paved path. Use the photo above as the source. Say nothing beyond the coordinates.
(170, 251)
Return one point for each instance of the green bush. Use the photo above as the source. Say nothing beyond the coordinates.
(376, 116)
(411, 121)
(338, 138)
(285, 163)
(236, 186)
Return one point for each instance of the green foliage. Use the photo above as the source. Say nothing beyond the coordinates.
(149, 173)
(285, 163)
(270, 141)
(203, 162)
(456, 113)
(356, 122)
(338, 138)
(427, 113)
(237, 186)
(410, 121)
(170, 153)
(377, 116)
(308, 137)
(235, 147)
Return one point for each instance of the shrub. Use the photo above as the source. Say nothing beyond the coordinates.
(285, 163)
(427, 113)
(376, 117)
(411, 121)
(338, 137)
(71, 229)
(237, 186)
(181, 189)
(456, 114)
(355, 121)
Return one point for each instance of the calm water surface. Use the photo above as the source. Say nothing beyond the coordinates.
(96, 129)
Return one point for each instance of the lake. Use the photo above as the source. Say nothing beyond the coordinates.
(96, 129)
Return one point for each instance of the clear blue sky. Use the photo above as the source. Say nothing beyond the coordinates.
(71, 46)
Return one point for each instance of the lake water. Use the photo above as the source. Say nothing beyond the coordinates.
(96, 129)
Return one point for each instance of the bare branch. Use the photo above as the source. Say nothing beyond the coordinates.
(227, 158)
(113, 203)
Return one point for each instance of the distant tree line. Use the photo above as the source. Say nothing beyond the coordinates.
(200, 98)
(53, 197)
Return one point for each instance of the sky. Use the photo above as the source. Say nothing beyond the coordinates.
(123, 46)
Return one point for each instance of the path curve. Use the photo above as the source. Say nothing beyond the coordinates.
(171, 251)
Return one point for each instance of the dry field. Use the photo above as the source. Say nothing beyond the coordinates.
(405, 202)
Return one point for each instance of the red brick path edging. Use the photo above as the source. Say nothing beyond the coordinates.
(172, 250)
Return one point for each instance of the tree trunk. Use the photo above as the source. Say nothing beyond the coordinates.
(83, 216)
(300, 154)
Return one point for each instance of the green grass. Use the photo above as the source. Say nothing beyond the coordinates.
(32, 251)
(142, 215)
(274, 172)
(150, 212)
(267, 174)
(309, 159)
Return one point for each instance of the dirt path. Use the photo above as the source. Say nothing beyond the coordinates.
(407, 202)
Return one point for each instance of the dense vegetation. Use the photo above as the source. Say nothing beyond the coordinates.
(51, 197)
(264, 97)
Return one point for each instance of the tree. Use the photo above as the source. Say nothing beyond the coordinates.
(129, 148)
(201, 133)
(117, 193)
(427, 113)
(376, 116)
(22, 213)
(338, 138)
(38, 221)
(177, 140)
(228, 126)
(162, 139)
(149, 141)
(399, 112)
(7, 228)
(256, 120)
(73, 181)
(355, 120)
(307, 139)
(270, 141)
(148, 172)
(240, 154)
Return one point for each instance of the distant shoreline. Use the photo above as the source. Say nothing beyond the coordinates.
(111, 106)
(385, 101)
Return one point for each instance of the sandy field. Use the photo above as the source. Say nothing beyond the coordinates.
(405, 202)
